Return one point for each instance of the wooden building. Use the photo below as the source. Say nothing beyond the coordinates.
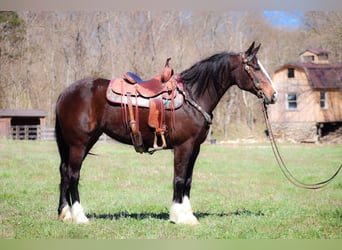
(21, 124)
(310, 97)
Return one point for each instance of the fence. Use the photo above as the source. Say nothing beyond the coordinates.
(39, 132)
(25, 132)
(47, 133)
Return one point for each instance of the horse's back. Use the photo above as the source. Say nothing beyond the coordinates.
(81, 89)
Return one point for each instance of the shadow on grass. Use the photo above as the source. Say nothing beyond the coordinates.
(165, 216)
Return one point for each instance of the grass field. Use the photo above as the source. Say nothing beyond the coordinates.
(238, 193)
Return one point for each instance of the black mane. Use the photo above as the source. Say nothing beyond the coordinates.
(209, 71)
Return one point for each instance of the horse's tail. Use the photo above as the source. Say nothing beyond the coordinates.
(63, 147)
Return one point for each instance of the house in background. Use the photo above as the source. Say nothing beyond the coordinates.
(310, 98)
(21, 124)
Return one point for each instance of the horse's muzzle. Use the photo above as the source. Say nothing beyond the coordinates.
(274, 97)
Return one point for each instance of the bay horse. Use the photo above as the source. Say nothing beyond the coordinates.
(83, 114)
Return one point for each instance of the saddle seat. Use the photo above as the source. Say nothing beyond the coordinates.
(132, 78)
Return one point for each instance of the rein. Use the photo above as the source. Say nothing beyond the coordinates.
(282, 165)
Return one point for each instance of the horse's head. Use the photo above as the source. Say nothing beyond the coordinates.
(253, 77)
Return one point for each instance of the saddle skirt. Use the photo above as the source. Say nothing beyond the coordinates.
(119, 91)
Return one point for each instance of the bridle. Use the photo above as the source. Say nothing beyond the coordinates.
(247, 63)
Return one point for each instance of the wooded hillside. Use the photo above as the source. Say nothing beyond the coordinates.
(43, 52)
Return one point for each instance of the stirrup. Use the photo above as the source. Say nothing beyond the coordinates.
(155, 144)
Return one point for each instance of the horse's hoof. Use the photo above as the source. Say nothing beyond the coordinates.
(185, 219)
(191, 220)
(78, 216)
(181, 213)
(65, 215)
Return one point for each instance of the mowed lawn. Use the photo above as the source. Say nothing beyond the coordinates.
(238, 192)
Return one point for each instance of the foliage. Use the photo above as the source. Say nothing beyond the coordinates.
(11, 25)
(238, 193)
(12, 35)
(323, 28)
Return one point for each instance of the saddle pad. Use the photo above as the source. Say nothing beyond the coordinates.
(119, 98)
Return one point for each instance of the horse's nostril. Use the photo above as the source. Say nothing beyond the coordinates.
(274, 97)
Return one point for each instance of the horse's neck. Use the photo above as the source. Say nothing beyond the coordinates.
(211, 97)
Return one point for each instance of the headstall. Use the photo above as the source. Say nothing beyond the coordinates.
(247, 63)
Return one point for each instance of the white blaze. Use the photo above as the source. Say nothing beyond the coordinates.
(267, 75)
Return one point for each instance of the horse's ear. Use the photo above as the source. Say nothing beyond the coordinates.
(250, 49)
(255, 51)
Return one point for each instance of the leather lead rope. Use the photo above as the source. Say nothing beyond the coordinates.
(282, 165)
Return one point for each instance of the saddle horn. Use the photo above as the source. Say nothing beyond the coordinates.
(167, 71)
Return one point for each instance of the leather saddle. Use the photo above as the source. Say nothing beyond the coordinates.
(156, 86)
(157, 94)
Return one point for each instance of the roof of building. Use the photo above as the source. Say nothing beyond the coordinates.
(317, 51)
(320, 76)
(22, 113)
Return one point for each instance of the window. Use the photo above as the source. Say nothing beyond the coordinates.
(323, 57)
(323, 100)
(291, 103)
(309, 58)
(290, 73)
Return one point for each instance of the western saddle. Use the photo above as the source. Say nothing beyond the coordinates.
(157, 90)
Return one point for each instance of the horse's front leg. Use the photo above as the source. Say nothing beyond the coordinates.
(184, 160)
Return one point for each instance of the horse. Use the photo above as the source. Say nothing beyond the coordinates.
(83, 114)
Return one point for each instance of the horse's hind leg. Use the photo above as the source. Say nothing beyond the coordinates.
(64, 207)
(70, 176)
(77, 154)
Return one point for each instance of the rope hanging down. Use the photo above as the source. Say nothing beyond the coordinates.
(282, 165)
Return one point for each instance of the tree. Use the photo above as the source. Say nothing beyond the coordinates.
(324, 29)
(12, 31)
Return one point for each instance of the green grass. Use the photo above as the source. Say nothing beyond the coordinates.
(238, 193)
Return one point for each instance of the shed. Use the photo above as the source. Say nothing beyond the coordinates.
(21, 123)
(310, 97)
